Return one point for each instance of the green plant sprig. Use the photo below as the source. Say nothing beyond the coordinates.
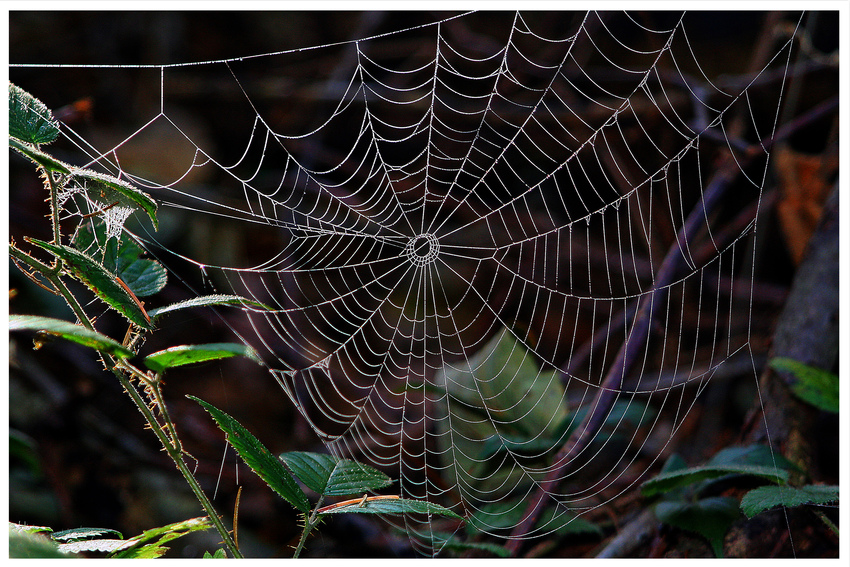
(322, 474)
(31, 125)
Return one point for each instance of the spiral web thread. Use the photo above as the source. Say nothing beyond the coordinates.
(439, 307)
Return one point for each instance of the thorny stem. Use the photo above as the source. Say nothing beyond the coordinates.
(156, 386)
(172, 447)
(52, 274)
(309, 523)
(54, 209)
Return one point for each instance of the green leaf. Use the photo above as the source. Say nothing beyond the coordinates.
(110, 191)
(755, 460)
(144, 276)
(151, 543)
(84, 533)
(70, 332)
(206, 301)
(812, 385)
(498, 393)
(218, 554)
(23, 529)
(101, 282)
(23, 545)
(29, 119)
(391, 506)
(669, 481)
(709, 517)
(505, 376)
(766, 497)
(623, 412)
(444, 541)
(328, 476)
(191, 354)
(506, 514)
(99, 545)
(122, 257)
(258, 457)
(37, 156)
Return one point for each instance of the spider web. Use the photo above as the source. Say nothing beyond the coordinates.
(429, 244)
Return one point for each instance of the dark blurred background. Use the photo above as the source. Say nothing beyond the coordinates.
(82, 456)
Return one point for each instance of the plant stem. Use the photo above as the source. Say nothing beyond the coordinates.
(173, 448)
(174, 452)
(157, 392)
(51, 274)
(54, 208)
(309, 523)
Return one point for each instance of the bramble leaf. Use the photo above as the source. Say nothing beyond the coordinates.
(709, 517)
(101, 282)
(766, 497)
(110, 191)
(378, 505)
(191, 354)
(76, 534)
(449, 542)
(122, 257)
(70, 332)
(329, 476)
(29, 119)
(756, 460)
(38, 157)
(813, 385)
(205, 301)
(258, 457)
(151, 543)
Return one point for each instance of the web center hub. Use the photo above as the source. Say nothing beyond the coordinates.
(422, 249)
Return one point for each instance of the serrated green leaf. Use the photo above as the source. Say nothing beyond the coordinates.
(122, 257)
(329, 476)
(669, 481)
(812, 385)
(755, 460)
(70, 332)
(444, 541)
(258, 457)
(506, 514)
(206, 301)
(29, 119)
(99, 545)
(191, 354)
(75, 534)
(622, 412)
(144, 277)
(218, 554)
(38, 157)
(757, 455)
(110, 191)
(151, 543)
(24, 529)
(500, 392)
(101, 282)
(23, 545)
(709, 517)
(766, 497)
(392, 506)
